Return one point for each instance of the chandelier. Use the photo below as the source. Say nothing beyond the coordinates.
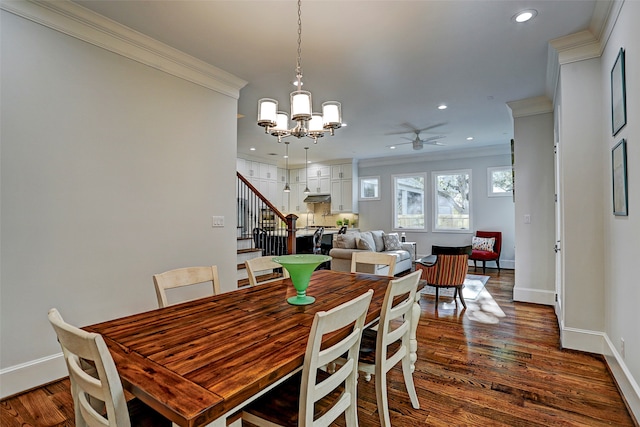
(309, 124)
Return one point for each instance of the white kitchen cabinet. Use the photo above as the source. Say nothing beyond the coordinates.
(319, 185)
(341, 195)
(268, 171)
(343, 171)
(297, 176)
(296, 198)
(319, 171)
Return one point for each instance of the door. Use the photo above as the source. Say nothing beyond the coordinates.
(557, 149)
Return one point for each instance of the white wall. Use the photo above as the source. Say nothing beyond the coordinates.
(600, 279)
(534, 184)
(111, 171)
(621, 290)
(488, 213)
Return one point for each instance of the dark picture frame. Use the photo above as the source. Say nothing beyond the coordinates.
(619, 178)
(618, 94)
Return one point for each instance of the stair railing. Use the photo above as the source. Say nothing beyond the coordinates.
(258, 219)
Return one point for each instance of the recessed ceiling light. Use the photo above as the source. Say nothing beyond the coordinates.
(442, 107)
(469, 138)
(393, 147)
(252, 148)
(525, 15)
(285, 157)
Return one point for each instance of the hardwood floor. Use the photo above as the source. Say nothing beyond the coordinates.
(498, 363)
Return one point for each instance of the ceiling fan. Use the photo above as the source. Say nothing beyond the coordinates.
(418, 143)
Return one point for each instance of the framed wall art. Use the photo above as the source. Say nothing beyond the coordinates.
(619, 178)
(618, 95)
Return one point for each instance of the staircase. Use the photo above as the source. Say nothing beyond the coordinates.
(262, 229)
(245, 251)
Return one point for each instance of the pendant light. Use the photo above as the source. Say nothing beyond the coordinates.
(306, 167)
(287, 189)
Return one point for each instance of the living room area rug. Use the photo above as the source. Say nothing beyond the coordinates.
(473, 285)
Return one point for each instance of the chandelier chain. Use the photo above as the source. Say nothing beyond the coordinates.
(299, 62)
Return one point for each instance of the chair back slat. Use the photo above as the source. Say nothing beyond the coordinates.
(350, 314)
(261, 266)
(373, 258)
(181, 277)
(95, 386)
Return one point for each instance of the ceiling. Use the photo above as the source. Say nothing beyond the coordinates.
(390, 64)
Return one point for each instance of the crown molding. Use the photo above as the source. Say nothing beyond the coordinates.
(584, 45)
(491, 150)
(81, 23)
(576, 47)
(530, 106)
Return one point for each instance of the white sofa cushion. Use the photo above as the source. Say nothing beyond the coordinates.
(346, 241)
(391, 242)
(378, 240)
(366, 241)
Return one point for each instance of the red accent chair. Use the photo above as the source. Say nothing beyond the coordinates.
(483, 255)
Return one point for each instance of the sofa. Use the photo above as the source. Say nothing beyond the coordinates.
(344, 245)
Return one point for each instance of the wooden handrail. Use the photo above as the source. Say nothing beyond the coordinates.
(289, 220)
(262, 197)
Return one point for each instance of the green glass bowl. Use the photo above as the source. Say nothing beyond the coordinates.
(300, 268)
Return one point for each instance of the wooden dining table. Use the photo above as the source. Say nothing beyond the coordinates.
(197, 363)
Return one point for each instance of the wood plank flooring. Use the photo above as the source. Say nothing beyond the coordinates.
(498, 363)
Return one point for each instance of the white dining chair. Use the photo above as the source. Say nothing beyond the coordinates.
(383, 348)
(95, 386)
(187, 276)
(264, 266)
(316, 397)
(358, 259)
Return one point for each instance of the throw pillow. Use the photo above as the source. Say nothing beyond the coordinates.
(345, 241)
(366, 242)
(392, 242)
(377, 238)
(482, 243)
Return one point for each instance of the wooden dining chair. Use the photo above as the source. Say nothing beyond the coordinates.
(184, 277)
(383, 348)
(263, 269)
(373, 260)
(98, 396)
(316, 397)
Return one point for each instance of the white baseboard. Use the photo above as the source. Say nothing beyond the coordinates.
(25, 376)
(599, 342)
(535, 296)
(505, 264)
(584, 340)
(628, 387)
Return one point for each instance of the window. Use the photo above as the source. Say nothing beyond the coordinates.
(500, 181)
(409, 202)
(452, 201)
(370, 188)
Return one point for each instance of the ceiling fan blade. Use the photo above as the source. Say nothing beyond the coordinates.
(400, 143)
(412, 129)
(432, 127)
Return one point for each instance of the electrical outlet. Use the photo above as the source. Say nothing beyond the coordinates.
(217, 221)
(622, 347)
(527, 219)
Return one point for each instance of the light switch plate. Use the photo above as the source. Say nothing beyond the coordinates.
(218, 221)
